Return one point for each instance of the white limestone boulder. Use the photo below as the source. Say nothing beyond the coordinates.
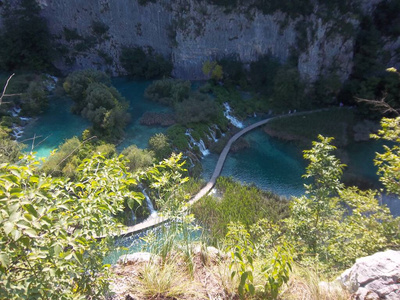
(374, 277)
(137, 258)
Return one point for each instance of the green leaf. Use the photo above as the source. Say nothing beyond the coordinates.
(4, 259)
(8, 227)
(31, 232)
(15, 234)
(30, 209)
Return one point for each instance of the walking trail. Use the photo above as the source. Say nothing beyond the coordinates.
(217, 171)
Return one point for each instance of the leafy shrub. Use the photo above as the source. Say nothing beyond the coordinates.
(177, 137)
(98, 102)
(159, 144)
(50, 227)
(168, 91)
(137, 158)
(198, 108)
(35, 100)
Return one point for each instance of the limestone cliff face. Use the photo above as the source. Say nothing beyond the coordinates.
(191, 32)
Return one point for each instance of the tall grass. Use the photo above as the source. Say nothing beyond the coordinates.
(244, 203)
(336, 122)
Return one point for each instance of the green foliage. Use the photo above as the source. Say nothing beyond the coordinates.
(10, 150)
(137, 158)
(212, 70)
(334, 223)
(311, 212)
(98, 102)
(35, 100)
(99, 28)
(159, 144)
(288, 89)
(69, 155)
(275, 267)
(233, 71)
(166, 181)
(25, 38)
(77, 82)
(336, 122)
(168, 91)
(144, 63)
(277, 271)
(238, 203)
(389, 162)
(177, 137)
(386, 18)
(49, 229)
(262, 73)
(198, 108)
(240, 246)
(145, 2)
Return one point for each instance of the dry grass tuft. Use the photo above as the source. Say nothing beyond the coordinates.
(305, 284)
(167, 281)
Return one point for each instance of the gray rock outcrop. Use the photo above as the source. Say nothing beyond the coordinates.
(374, 277)
(191, 32)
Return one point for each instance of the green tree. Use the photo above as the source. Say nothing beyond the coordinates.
(25, 38)
(49, 246)
(137, 158)
(144, 63)
(100, 103)
(335, 223)
(159, 144)
(389, 162)
(212, 70)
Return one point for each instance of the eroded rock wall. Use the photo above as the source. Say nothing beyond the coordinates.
(191, 32)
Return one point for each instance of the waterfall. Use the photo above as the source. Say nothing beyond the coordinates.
(200, 144)
(212, 136)
(153, 212)
(227, 113)
(17, 131)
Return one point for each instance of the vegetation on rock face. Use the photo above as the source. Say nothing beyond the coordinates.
(25, 38)
(97, 101)
(144, 63)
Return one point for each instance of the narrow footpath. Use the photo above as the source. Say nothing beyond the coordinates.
(217, 171)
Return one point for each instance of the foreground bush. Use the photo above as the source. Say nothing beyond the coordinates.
(49, 229)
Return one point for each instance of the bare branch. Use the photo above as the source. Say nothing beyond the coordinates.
(5, 88)
(380, 105)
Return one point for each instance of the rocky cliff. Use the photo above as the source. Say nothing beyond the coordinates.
(191, 32)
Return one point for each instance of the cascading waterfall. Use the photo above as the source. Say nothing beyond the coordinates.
(212, 136)
(17, 130)
(200, 144)
(153, 212)
(227, 113)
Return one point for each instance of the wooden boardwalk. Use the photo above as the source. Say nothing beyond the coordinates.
(147, 224)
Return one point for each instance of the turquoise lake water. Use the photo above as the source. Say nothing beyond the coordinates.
(268, 163)
(58, 123)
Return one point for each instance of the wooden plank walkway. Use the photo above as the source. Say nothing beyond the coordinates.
(147, 224)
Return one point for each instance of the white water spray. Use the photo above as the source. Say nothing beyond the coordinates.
(200, 144)
(227, 113)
